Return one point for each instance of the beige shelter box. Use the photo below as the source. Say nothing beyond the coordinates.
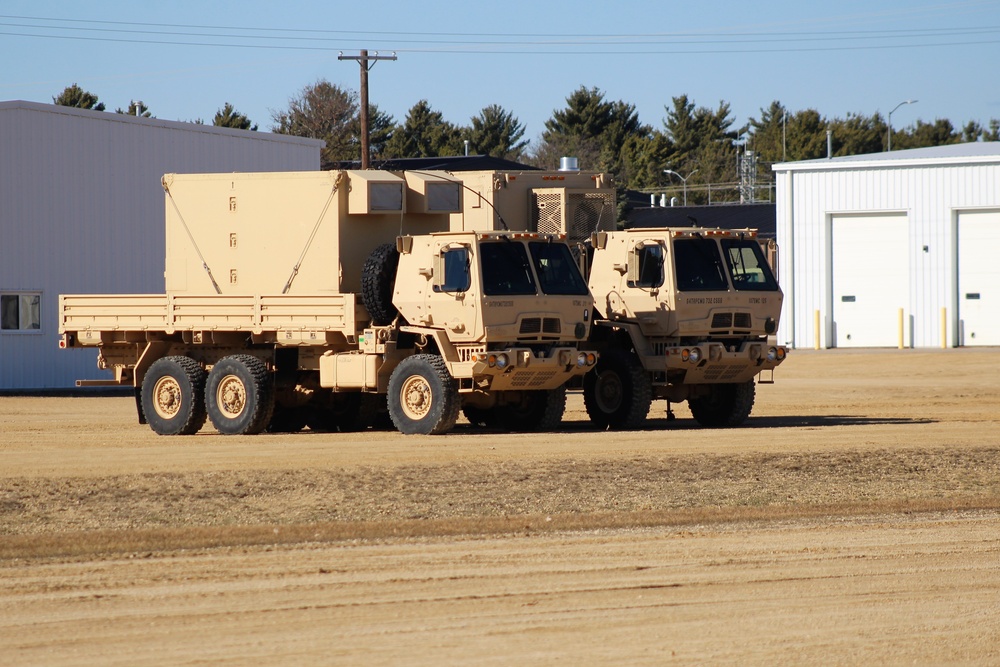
(574, 203)
(291, 232)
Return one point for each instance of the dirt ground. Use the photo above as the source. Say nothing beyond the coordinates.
(853, 520)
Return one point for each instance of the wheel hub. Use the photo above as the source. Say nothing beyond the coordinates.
(231, 396)
(167, 397)
(416, 397)
(610, 392)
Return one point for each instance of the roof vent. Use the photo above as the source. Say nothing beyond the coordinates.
(569, 164)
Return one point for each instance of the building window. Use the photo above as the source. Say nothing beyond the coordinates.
(20, 311)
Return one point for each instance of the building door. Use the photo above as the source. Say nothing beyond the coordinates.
(978, 278)
(870, 279)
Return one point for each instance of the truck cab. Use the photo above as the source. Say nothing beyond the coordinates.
(683, 314)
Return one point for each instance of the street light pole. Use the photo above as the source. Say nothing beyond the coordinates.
(890, 119)
(683, 180)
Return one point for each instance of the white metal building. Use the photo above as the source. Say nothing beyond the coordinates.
(898, 249)
(82, 211)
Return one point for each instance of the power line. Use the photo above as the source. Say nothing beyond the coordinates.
(499, 51)
(502, 43)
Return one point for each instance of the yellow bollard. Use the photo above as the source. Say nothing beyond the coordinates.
(816, 328)
(901, 328)
(944, 328)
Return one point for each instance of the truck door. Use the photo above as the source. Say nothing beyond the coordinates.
(454, 298)
(645, 283)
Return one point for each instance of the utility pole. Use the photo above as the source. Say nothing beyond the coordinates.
(363, 59)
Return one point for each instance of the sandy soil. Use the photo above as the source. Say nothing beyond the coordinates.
(853, 520)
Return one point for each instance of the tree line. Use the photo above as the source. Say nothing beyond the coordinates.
(699, 143)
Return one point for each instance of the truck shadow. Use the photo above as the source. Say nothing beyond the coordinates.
(792, 421)
(688, 424)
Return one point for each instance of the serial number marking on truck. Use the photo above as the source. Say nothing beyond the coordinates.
(499, 304)
(702, 300)
(758, 299)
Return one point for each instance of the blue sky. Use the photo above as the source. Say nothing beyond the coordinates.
(185, 59)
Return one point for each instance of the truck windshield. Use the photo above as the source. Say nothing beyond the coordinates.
(748, 266)
(506, 269)
(556, 269)
(699, 265)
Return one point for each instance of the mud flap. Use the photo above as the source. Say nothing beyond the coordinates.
(138, 404)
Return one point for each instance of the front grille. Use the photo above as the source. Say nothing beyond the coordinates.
(722, 321)
(539, 327)
(531, 380)
(467, 353)
(727, 321)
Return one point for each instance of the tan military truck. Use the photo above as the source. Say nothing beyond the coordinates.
(686, 314)
(682, 314)
(319, 298)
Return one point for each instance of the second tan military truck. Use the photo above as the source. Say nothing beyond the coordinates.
(323, 298)
(683, 314)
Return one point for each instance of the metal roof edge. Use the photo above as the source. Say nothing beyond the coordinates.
(883, 164)
(111, 116)
(917, 157)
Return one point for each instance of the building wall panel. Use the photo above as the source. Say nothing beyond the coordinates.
(82, 211)
(928, 191)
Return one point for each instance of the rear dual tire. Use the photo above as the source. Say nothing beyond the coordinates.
(173, 396)
(725, 406)
(239, 395)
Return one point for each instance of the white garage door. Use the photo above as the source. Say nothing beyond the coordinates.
(870, 280)
(979, 278)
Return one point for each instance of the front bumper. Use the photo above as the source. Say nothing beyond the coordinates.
(712, 363)
(520, 368)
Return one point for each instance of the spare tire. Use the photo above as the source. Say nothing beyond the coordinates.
(378, 278)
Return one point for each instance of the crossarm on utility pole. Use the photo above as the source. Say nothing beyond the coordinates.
(364, 59)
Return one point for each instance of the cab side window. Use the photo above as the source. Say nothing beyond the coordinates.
(650, 262)
(457, 276)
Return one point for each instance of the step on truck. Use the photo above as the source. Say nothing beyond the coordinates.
(682, 314)
(328, 299)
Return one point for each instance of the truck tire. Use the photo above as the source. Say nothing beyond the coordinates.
(287, 419)
(239, 395)
(480, 417)
(617, 393)
(423, 397)
(378, 278)
(172, 396)
(345, 412)
(538, 411)
(727, 406)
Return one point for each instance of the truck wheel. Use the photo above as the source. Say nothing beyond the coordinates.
(481, 417)
(618, 392)
(173, 396)
(239, 395)
(423, 397)
(344, 412)
(727, 406)
(287, 419)
(538, 411)
(378, 277)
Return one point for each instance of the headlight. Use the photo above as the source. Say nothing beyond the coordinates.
(502, 361)
(695, 355)
(581, 360)
(772, 354)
